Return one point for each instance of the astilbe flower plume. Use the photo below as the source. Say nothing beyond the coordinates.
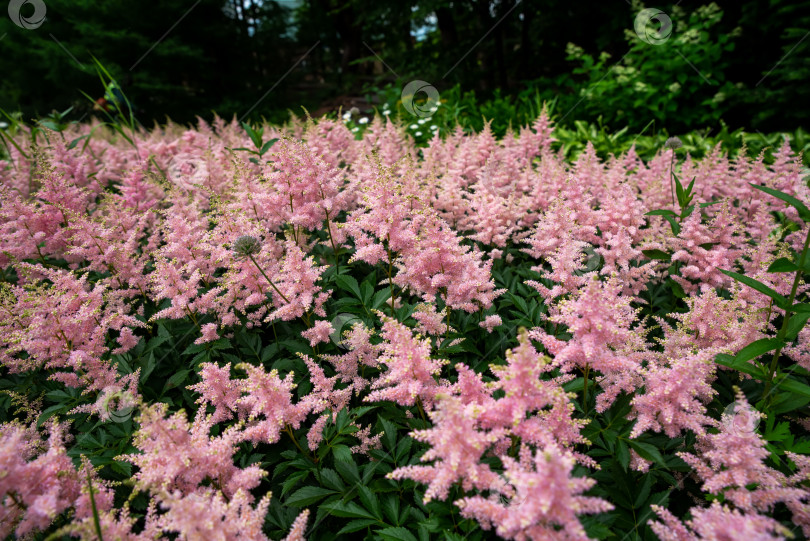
(534, 406)
(175, 455)
(38, 480)
(545, 502)
(717, 522)
(410, 372)
(733, 460)
(601, 322)
(457, 446)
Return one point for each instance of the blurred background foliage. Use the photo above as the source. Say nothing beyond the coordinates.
(728, 66)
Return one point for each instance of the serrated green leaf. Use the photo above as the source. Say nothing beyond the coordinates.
(305, 496)
(623, 454)
(396, 533)
(647, 452)
(331, 479)
(348, 470)
(357, 525)
(369, 501)
(347, 510)
(342, 453)
(348, 283)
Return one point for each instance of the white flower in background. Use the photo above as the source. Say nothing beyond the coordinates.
(3, 125)
(434, 108)
(434, 127)
(414, 126)
(421, 121)
(355, 129)
(347, 116)
(363, 120)
(417, 134)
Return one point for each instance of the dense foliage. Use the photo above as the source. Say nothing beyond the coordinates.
(743, 62)
(258, 331)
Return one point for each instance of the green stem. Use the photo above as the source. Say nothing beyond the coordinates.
(783, 331)
(268, 279)
(585, 387)
(96, 521)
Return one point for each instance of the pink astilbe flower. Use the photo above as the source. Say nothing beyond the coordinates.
(175, 455)
(438, 263)
(62, 325)
(361, 353)
(299, 527)
(268, 404)
(545, 502)
(705, 250)
(717, 523)
(209, 333)
(429, 321)
(324, 396)
(734, 459)
(39, 482)
(382, 222)
(410, 371)
(601, 321)
(490, 322)
(674, 395)
(457, 446)
(208, 514)
(319, 332)
(219, 390)
(567, 264)
(296, 284)
(533, 408)
(298, 189)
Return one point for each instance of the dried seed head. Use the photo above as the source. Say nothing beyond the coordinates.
(673, 143)
(246, 245)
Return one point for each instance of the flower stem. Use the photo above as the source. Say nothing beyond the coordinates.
(788, 312)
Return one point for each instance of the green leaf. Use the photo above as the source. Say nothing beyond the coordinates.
(348, 283)
(397, 533)
(305, 496)
(369, 501)
(75, 142)
(677, 289)
(757, 348)
(661, 212)
(342, 453)
(176, 379)
(796, 324)
(347, 510)
(647, 452)
(623, 454)
(783, 264)
(788, 384)
(657, 254)
(267, 146)
(348, 470)
(747, 368)
(330, 479)
(804, 212)
(676, 227)
(778, 299)
(390, 506)
(357, 525)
